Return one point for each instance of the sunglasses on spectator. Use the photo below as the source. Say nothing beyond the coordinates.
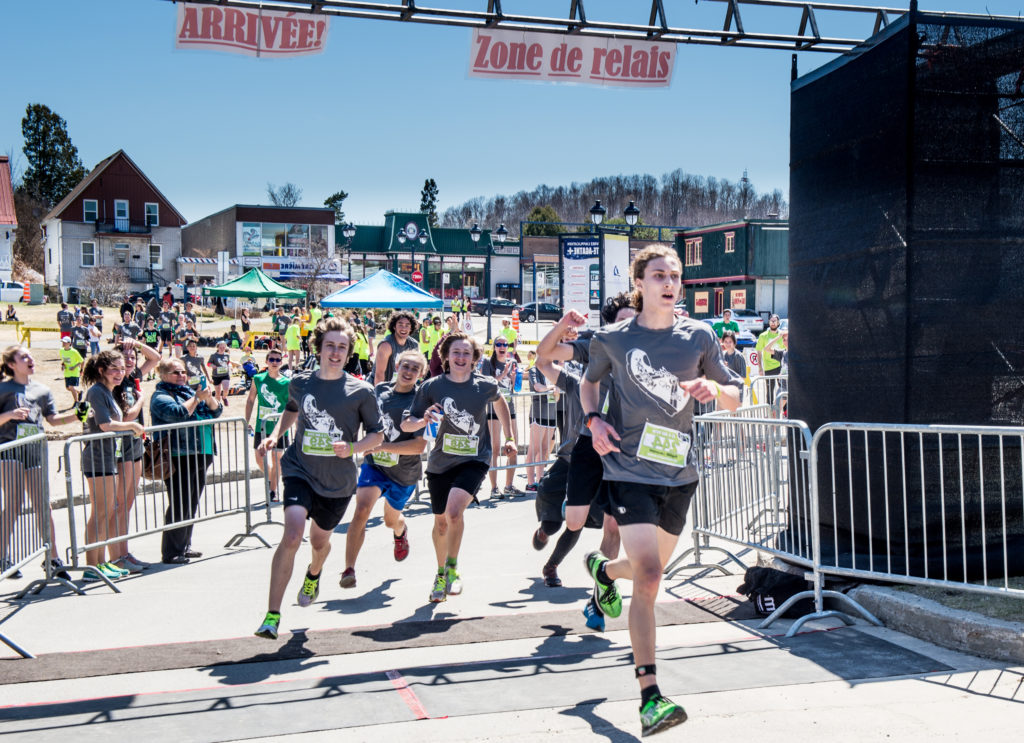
(501, 345)
(276, 360)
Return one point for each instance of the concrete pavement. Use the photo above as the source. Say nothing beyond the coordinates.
(508, 659)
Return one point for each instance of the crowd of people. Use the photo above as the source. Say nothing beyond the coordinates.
(424, 401)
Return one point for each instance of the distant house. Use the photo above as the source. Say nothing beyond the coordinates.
(736, 265)
(114, 219)
(8, 219)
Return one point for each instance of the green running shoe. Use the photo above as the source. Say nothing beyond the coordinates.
(309, 591)
(438, 594)
(270, 625)
(607, 596)
(452, 581)
(660, 713)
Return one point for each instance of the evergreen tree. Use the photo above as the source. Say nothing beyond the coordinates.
(428, 201)
(54, 167)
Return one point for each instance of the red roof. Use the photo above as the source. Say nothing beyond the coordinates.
(7, 215)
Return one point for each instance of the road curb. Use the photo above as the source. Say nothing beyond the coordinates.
(956, 629)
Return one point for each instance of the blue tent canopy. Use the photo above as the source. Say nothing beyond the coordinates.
(383, 289)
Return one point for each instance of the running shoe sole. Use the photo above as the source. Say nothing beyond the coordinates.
(676, 716)
(348, 580)
(267, 630)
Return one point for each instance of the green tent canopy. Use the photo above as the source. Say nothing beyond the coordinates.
(254, 284)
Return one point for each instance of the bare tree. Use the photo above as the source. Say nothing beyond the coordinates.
(287, 195)
(106, 285)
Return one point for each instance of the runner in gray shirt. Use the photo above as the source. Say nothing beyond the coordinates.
(462, 448)
(328, 407)
(403, 327)
(392, 469)
(580, 482)
(659, 365)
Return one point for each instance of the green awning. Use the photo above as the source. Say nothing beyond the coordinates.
(254, 285)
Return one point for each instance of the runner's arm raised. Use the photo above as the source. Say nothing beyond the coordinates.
(551, 347)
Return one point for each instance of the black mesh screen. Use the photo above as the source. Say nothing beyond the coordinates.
(907, 233)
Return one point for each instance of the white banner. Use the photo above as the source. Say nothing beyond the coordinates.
(526, 55)
(254, 32)
(616, 265)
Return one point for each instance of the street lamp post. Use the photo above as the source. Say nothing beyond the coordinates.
(631, 214)
(500, 234)
(422, 237)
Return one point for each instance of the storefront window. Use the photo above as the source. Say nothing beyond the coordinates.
(274, 239)
(298, 241)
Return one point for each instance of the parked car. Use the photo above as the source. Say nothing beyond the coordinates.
(532, 311)
(145, 296)
(12, 291)
(496, 306)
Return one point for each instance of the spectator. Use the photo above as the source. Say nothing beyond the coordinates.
(727, 323)
(192, 451)
(103, 373)
(168, 297)
(733, 358)
(246, 330)
(293, 344)
(11, 315)
(509, 333)
(94, 336)
(767, 363)
(436, 366)
(501, 367)
(126, 306)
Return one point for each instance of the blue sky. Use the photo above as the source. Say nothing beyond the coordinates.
(390, 104)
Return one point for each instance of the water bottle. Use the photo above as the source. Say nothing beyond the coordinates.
(518, 385)
(433, 422)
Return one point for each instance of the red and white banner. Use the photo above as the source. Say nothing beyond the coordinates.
(251, 31)
(524, 55)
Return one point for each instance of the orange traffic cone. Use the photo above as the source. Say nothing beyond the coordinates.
(515, 320)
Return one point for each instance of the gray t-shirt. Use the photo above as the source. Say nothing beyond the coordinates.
(80, 338)
(396, 350)
(652, 413)
(569, 383)
(34, 396)
(494, 369)
(101, 454)
(462, 435)
(403, 469)
(220, 365)
(737, 363)
(329, 411)
(129, 330)
(65, 319)
(581, 355)
(194, 367)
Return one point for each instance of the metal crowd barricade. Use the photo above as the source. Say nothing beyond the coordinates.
(549, 410)
(111, 500)
(756, 491)
(268, 518)
(765, 388)
(939, 506)
(25, 520)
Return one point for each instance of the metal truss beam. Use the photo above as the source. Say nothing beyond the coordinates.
(807, 37)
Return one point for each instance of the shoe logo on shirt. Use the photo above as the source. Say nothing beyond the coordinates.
(573, 369)
(659, 384)
(320, 420)
(459, 418)
(391, 432)
(272, 403)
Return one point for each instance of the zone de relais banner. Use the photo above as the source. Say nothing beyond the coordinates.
(254, 32)
(526, 55)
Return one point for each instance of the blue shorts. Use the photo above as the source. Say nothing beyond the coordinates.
(396, 495)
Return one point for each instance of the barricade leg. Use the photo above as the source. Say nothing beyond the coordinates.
(677, 565)
(819, 595)
(15, 646)
(269, 467)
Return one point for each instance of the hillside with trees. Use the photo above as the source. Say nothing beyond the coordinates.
(677, 199)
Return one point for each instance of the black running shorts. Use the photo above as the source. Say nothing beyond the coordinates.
(586, 473)
(665, 506)
(325, 512)
(466, 476)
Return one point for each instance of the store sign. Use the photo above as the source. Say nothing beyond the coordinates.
(700, 303)
(252, 238)
(524, 55)
(738, 299)
(503, 249)
(254, 32)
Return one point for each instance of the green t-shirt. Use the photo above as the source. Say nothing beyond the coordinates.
(721, 327)
(271, 397)
(509, 334)
(71, 361)
(291, 338)
(768, 362)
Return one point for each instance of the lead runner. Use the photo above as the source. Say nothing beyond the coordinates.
(329, 406)
(659, 365)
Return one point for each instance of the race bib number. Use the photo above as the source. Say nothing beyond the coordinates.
(26, 429)
(459, 445)
(385, 458)
(193, 381)
(317, 444)
(222, 371)
(663, 445)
